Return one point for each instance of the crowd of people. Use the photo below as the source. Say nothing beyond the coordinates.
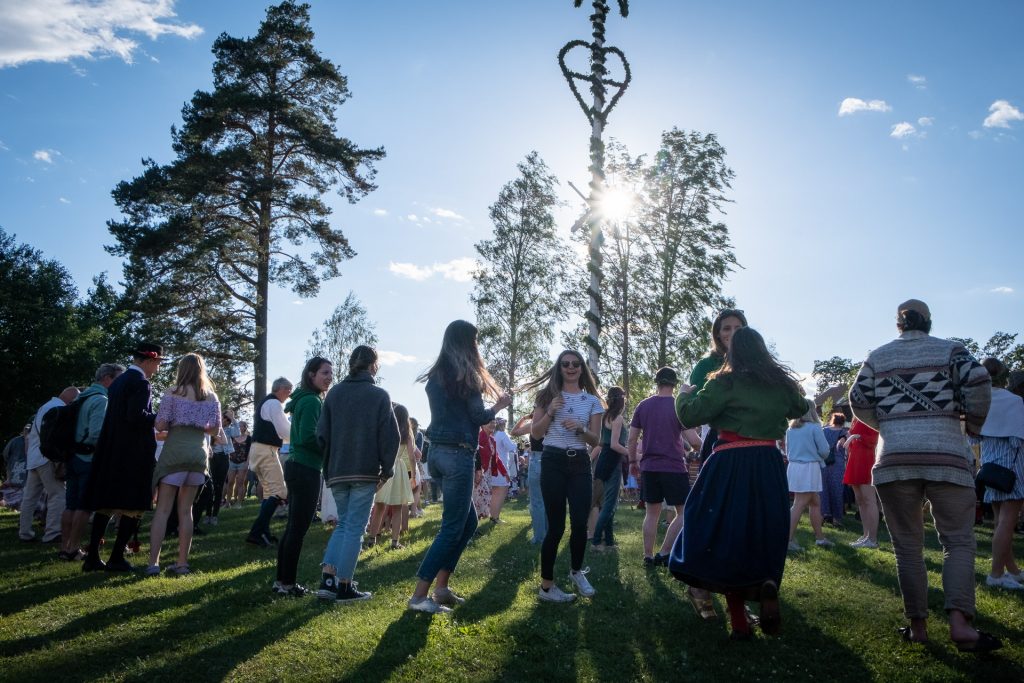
(741, 424)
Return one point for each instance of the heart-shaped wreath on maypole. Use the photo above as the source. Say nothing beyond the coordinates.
(597, 114)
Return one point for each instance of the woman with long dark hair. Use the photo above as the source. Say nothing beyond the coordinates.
(302, 471)
(608, 468)
(567, 416)
(736, 527)
(456, 385)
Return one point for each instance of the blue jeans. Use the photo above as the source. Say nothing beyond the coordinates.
(354, 503)
(607, 515)
(452, 467)
(537, 514)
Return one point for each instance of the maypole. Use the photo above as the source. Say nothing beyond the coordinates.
(597, 115)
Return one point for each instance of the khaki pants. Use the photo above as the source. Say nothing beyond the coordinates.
(953, 511)
(42, 481)
(266, 465)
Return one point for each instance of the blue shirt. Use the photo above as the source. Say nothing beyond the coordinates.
(806, 443)
(455, 420)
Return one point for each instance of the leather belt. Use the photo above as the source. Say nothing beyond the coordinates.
(741, 444)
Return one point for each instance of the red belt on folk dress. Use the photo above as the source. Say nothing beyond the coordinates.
(740, 442)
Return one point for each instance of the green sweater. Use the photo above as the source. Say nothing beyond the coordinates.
(305, 407)
(704, 367)
(740, 405)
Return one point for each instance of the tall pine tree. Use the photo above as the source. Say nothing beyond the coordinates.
(241, 206)
(516, 292)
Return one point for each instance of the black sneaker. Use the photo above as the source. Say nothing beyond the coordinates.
(293, 591)
(649, 562)
(119, 565)
(347, 592)
(262, 540)
(660, 560)
(328, 587)
(93, 564)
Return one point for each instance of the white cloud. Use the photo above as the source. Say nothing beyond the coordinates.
(388, 358)
(902, 130)
(1003, 290)
(62, 200)
(974, 134)
(852, 105)
(61, 30)
(925, 121)
(297, 302)
(446, 213)
(3, 147)
(459, 270)
(380, 212)
(45, 155)
(1002, 114)
(413, 217)
(919, 82)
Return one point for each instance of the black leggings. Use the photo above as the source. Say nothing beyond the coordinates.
(564, 479)
(219, 473)
(303, 493)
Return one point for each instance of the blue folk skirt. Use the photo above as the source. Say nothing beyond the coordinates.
(735, 522)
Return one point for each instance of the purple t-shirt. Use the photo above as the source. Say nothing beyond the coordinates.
(661, 433)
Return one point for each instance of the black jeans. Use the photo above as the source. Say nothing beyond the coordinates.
(303, 493)
(219, 473)
(564, 479)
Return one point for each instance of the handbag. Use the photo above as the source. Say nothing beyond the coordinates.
(996, 477)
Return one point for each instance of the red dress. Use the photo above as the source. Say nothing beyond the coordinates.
(860, 455)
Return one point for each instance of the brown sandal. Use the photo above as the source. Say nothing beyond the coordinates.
(705, 607)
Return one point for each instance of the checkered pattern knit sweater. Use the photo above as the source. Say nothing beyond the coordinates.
(913, 391)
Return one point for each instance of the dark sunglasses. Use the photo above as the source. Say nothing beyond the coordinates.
(571, 364)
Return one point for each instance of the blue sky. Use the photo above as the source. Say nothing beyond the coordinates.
(877, 147)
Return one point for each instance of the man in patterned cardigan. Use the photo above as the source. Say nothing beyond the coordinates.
(914, 391)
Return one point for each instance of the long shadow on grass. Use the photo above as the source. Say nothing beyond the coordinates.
(508, 571)
(404, 638)
(215, 614)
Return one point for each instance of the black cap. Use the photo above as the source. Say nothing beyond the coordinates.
(666, 375)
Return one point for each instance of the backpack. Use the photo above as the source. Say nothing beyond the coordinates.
(57, 432)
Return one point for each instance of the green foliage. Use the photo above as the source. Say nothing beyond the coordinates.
(516, 292)
(241, 205)
(1001, 345)
(346, 328)
(833, 371)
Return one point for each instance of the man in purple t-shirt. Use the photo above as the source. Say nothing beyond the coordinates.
(662, 469)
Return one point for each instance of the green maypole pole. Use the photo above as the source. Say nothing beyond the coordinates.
(597, 115)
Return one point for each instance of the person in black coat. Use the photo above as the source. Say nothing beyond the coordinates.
(121, 480)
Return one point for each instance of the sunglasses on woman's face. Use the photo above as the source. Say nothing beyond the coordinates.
(571, 364)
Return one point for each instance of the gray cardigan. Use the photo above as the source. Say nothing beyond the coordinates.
(357, 432)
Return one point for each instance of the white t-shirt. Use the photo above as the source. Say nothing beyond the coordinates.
(579, 407)
(506, 448)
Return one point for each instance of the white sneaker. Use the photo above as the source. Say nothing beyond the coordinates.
(794, 547)
(427, 605)
(580, 579)
(556, 594)
(824, 543)
(859, 543)
(1004, 581)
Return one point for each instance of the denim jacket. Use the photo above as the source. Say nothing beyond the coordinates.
(455, 420)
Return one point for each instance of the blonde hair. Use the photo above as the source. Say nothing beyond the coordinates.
(810, 417)
(192, 375)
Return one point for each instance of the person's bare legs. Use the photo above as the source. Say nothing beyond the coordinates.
(158, 527)
(1002, 538)
(800, 501)
(186, 496)
(673, 530)
(396, 521)
(814, 506)
(652, 514)
(376, 517)
(867, 504)
(497, 501)
(74, 538)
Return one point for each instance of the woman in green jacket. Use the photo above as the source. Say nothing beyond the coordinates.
(736, 518)
(302, 471)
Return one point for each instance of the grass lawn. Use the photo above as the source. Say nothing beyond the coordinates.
(840, 611)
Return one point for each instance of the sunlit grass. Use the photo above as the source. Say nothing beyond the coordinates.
(840, 609)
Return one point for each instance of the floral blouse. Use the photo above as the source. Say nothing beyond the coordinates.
(178, 411)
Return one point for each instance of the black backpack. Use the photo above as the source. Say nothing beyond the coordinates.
(57, 432)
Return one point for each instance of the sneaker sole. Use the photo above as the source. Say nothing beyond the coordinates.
(571, 598)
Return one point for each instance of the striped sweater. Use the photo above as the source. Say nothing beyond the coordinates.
(913, 390)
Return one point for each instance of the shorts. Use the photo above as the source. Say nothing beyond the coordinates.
(235, 466)
(184, 479)
(804, 477)
(668, 487)
(76, 481)
(265, 464)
